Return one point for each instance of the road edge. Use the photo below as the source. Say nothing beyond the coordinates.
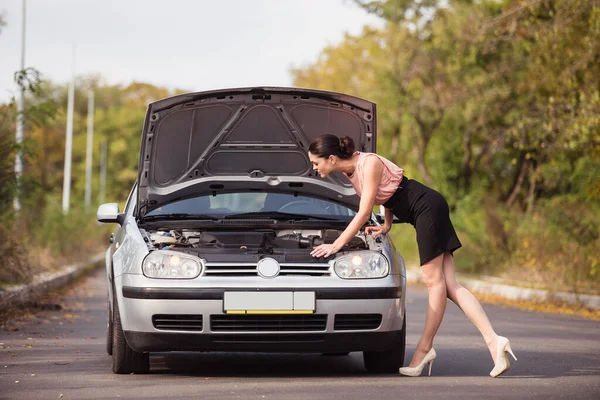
(29, 293)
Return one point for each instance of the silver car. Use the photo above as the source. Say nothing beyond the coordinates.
(212, 250)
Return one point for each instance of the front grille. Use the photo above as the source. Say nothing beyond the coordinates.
(351, 322)
(177, 322)
(230, 269)
(267, 323)
(249, 269)
(311, 269)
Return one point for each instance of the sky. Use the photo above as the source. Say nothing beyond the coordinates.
(187, 44)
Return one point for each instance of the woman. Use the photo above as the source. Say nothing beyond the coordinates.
(379, 181)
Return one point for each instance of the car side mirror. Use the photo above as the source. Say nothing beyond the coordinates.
(109, 213)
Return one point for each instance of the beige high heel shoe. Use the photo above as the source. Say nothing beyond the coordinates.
(416, 371)
(502, 363)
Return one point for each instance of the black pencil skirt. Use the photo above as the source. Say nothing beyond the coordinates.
(426, 210)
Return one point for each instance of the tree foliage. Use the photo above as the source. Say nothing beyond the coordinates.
(494, 103)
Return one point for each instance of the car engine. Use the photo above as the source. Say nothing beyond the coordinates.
(289, 245)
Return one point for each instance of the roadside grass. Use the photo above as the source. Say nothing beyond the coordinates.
(37, 244)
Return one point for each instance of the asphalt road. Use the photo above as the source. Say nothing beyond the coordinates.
(61, 354)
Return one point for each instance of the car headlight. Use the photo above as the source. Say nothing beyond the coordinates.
(171, 265)
(361, 265)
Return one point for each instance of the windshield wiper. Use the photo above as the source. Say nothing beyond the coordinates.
(179, 216)
(279, 216)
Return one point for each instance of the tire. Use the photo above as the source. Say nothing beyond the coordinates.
(386, 362)
(109, 330)
(125, 359)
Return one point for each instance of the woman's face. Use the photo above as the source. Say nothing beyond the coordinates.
(322, 165)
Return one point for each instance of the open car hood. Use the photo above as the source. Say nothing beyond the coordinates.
(247, 139)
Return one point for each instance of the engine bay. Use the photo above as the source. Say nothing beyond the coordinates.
(218, 245)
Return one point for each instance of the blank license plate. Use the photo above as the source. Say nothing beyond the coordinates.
(269, 302)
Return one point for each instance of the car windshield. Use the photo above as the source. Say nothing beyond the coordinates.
(255, 205)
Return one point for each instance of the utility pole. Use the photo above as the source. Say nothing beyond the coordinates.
(88, 153)
(102, 172)
(69, 143)
(20, 111)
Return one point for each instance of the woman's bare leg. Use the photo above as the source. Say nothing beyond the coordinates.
(433, 278)
(468, 304)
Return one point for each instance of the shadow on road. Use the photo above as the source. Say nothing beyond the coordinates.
(257, 364)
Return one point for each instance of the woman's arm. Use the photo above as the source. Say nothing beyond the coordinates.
(373, 168)
(381, 229)
(387, 220)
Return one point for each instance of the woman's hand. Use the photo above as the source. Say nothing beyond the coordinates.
(377, 230)
(324, 250)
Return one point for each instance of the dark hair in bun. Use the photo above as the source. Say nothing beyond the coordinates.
(327, 145)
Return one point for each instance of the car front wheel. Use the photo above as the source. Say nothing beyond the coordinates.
(387, 361)
(125, 359)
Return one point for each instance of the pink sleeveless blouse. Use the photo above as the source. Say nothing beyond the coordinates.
(390, 178)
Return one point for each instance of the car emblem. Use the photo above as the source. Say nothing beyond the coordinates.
(267, 268)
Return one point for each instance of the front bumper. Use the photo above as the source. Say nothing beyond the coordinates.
(305, 342)
(345, 319)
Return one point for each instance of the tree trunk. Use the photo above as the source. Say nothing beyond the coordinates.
(518, 181)
(531, 193)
